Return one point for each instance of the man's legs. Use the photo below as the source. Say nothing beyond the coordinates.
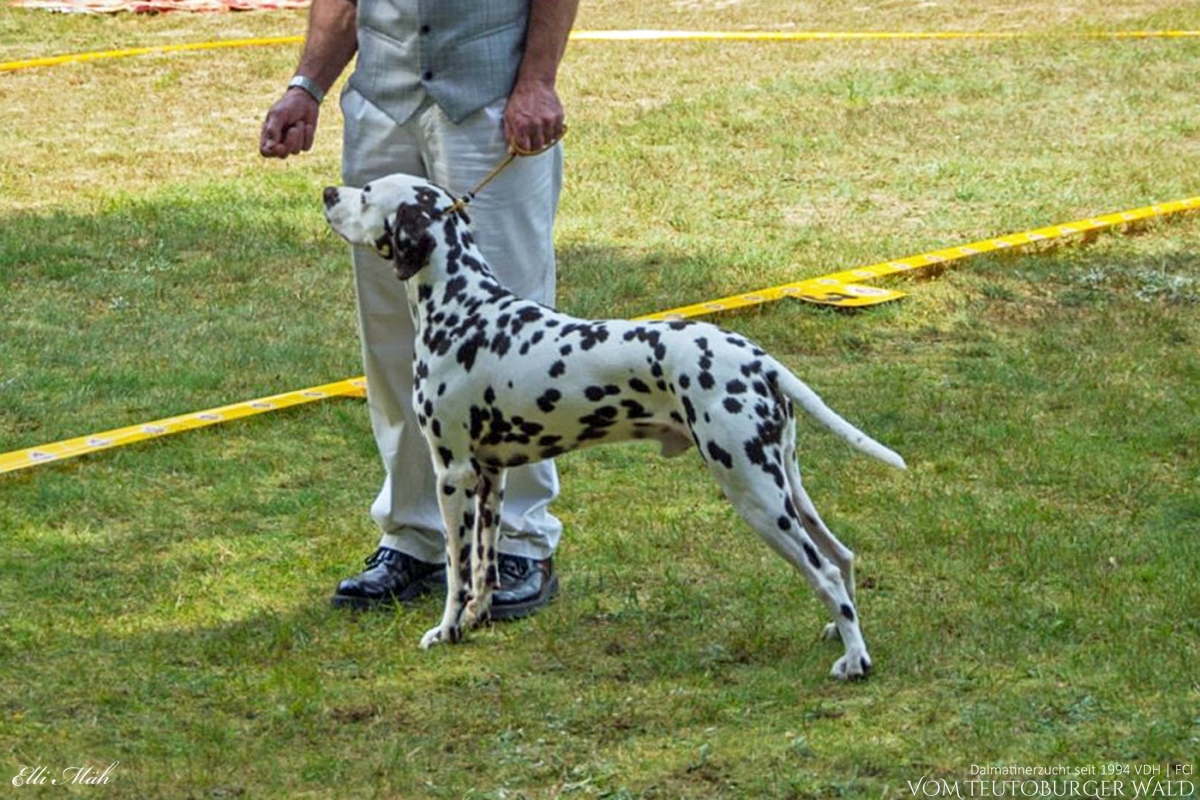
(514, 228)
(513, 220)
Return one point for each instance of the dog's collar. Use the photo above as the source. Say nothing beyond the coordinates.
(457, 208)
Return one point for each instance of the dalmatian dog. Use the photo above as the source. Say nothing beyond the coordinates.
(501, 381)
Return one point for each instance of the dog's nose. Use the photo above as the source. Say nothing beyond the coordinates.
(331, 196)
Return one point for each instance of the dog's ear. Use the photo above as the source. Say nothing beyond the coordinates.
(411, 242)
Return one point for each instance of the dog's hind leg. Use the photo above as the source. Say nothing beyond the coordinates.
(485, 575)
(827, 544)
(457, 484)
(785, 534)
(765, 500)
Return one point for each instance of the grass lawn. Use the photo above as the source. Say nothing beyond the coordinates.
(1028, 588)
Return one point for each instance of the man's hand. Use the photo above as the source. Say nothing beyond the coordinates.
(290, 126)
(330, 44)
(533, 118)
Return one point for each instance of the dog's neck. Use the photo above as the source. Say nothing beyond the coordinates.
(456, 279)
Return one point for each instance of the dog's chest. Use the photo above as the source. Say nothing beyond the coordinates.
(505, 354)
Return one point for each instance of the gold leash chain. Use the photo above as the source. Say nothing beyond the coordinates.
(514, 152)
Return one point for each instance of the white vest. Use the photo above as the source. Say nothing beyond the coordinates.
(462, 53)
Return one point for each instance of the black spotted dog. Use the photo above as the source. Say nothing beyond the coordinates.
(502, 381)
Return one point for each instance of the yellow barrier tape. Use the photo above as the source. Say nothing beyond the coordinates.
(630, 36)
(825, 36)
(841, 288)
(836, 289)
(44, 454)
(50, 61)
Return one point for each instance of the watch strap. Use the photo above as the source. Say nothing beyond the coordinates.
(308, 85)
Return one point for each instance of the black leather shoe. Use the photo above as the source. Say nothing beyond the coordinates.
(390, 577)
(525, 586)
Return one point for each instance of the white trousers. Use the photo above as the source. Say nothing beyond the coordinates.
(513, 220)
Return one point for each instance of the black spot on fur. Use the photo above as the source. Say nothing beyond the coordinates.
(454, 289)
(501, 343)
(478, 417)
(469, 349)
(601, 417)
(720, 455)
(689, 409)
(548, 400)
(755, 452)
(635, 410)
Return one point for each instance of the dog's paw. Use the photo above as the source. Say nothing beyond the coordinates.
(831, 633)
(852, 668)
(439, 635)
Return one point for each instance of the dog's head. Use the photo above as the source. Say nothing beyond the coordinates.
(392, 216)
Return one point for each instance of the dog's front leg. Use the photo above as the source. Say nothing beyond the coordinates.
(485, 575)
(456, 498)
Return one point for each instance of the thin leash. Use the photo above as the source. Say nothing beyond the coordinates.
(514, 152)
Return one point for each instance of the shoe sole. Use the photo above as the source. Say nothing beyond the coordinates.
(498, 613)
(413, 592)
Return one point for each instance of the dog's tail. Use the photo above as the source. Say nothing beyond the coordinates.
(795, 388)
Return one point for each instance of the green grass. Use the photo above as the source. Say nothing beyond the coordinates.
(1028, 587)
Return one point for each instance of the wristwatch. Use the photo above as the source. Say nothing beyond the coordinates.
(308, 85)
